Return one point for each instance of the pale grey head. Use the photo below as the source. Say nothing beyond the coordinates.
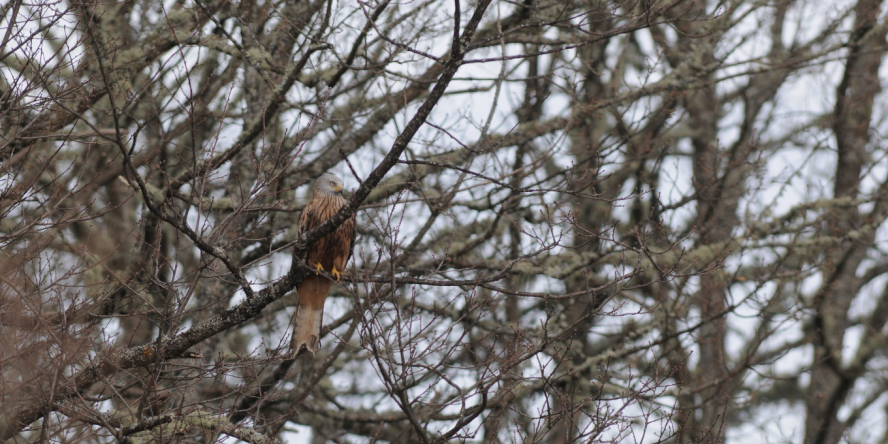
(328, 184)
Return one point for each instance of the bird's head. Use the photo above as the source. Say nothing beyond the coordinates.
(329, 184)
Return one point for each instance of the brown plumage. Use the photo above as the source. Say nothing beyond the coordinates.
(331, 254)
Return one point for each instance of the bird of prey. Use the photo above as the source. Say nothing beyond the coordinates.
(331, 253)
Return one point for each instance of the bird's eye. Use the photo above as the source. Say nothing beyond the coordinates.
(332, 183)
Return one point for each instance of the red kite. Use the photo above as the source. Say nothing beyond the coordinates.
(330, 253)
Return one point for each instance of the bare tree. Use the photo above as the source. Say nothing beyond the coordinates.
(578, 221)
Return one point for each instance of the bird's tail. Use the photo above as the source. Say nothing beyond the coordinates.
(310, 313)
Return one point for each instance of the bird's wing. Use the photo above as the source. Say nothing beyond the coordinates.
(304, 218)
(351, 227)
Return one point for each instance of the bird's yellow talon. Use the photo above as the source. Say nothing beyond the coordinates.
(319, 268)
(336, 273)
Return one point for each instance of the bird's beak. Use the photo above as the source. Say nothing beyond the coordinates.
(338, 189)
